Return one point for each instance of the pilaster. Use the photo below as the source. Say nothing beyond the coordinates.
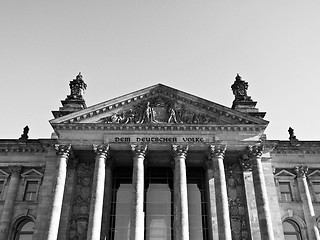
(8, 207)
(254, 153)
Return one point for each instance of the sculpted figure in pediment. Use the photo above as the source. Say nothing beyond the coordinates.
(158, 110)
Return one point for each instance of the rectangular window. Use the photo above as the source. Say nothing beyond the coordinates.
(30, 193)
(285, 192)
(197, 204)
(121, 204)
(316, 190)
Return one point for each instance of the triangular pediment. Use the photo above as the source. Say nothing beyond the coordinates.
(314, 174)
(32, 173)
(285, 174)
(3, 174)
(159, 104)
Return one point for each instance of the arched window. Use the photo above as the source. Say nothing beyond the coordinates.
(24, 230)
(291, 230)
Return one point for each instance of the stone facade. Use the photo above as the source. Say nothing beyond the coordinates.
(159, 163)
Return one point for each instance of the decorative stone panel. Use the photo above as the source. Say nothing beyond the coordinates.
(81, 202)
(239, 217)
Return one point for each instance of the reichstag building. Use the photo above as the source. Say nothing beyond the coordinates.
(159, 164)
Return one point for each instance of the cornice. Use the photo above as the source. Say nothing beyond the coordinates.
(300, 147)
(155, 127)
(31, 145)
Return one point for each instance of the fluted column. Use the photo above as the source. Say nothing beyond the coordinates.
(96, 205)
(55, 213)
(254, 154)
(217, 156)
(137, 213)
(8, 206)
(181, 220)
(308, 209)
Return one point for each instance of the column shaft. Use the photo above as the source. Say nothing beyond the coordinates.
(308, 209)
(63, 153)
(181, 218)
(224, 227)
(137, 213)
(8, 206)
(96, 206)
(261, 195)
(107, 201)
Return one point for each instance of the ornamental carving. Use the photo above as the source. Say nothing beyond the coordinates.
(101, 150)
(217, 151)
(253, 151)
(301, 171)
(81, 202)
(180, 150)
(158, 110)
(139, 150)
(77, 87)
(62, 150)
(239, 88)
(237, 202)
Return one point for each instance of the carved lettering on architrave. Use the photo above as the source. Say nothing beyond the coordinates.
(158, 110)
(81, 202)
(237, 202)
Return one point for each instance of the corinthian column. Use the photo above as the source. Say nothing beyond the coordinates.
(217, 156)
(137, 214)
(8, 206)
(96, 205)
(307, 205)
(181, 220)
(265, 221)
(63, 155)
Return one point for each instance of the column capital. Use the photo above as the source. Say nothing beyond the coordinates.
(254, 151)
(301, 171)
(216, 151)
(180, 150)
(101, 150)
(139, 149)
(15, 169)
(62, 150)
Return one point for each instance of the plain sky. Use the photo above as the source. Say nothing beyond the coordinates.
(121, 46)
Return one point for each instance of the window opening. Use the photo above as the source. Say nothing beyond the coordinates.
(291, 230)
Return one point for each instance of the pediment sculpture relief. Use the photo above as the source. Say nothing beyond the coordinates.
(158, 110)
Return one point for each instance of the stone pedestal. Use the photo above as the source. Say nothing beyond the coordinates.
(307, 206)
(265, 221)
(224, 227)
(181, 220)
(96, 207)
(55, 213)
(137, 213)
(8, 206)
